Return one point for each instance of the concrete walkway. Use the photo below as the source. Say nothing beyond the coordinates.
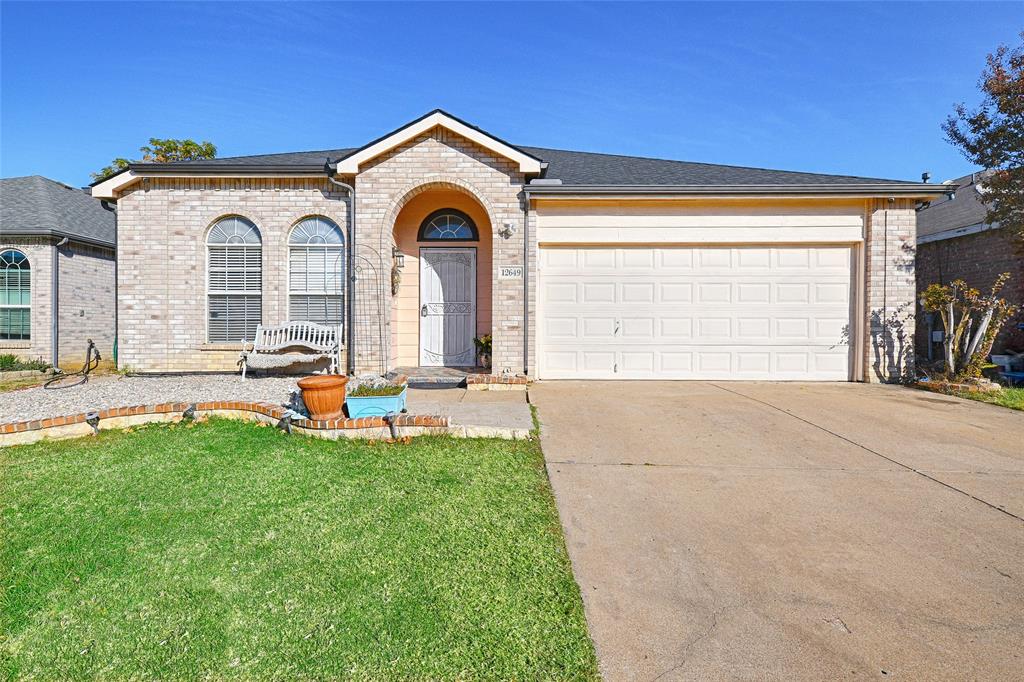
(790, 531)
(484, 413)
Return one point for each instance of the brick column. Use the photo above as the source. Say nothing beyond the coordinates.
(890, 247)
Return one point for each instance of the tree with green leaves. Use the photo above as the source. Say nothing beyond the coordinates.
(992, 136)
(971, 321)
(161, 151)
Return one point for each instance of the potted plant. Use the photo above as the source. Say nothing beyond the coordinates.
(324, 395)
(483, 350)
(374, 396)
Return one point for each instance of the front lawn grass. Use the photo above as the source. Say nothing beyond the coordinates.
(229, 550)
(1012, 398)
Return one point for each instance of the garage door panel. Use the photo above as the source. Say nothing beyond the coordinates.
(598, 328)
(675, 292)
(700, 313)
(600, 293)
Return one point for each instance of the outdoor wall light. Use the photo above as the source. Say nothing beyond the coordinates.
(507, 230)
(398, 257)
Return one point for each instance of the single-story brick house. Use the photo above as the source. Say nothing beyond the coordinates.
(57, 272)
(580, 265)
(955, 242)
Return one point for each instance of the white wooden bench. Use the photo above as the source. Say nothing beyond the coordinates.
(270, 342)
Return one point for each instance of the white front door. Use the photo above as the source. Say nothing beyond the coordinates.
(447, 307)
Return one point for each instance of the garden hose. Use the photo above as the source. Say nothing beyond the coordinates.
(62, 380)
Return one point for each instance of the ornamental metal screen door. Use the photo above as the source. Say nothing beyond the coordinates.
(447, 307)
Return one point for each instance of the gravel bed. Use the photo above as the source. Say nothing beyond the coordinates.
(121, 391)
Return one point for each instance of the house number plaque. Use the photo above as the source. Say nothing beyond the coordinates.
(510, 272)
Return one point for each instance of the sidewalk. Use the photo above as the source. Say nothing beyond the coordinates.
(501, 414)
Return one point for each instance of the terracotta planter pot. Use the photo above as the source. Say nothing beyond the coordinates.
(324, 394)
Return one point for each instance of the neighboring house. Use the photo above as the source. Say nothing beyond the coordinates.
(57, 272)
(581, 265)
(954, 242)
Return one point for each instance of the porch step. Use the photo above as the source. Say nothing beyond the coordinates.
(427, 381)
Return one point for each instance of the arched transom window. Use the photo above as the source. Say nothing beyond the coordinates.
(448, 224)
(235, 281)
(316, 272)
(15, 296)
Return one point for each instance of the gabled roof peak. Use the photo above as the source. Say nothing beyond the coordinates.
(350, 163)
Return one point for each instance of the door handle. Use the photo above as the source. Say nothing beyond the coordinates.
(423, 310)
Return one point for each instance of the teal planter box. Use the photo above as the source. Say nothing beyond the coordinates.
(375, 406)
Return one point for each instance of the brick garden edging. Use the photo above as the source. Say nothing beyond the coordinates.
(495, 382)
(19, 373)
(72, 426)
(951, 388)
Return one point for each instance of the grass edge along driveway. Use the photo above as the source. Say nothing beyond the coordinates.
(232, 550)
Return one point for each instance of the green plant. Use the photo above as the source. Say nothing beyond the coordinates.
(992, 136)
(365, 391)
(161, 151)
(11, 363)
(483, 345)
(373, 385)
(971, 321)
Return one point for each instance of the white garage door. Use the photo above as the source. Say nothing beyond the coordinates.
(694, 313)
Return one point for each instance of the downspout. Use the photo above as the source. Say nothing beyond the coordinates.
(350, 326)
(526, 282)
(55, 303)
(117, 303)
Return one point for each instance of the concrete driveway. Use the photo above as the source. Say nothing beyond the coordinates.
(726, 530)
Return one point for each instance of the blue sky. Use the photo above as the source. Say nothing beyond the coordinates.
(855, 89)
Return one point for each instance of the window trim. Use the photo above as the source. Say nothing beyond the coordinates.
(8, 343)
(421, 234)
(239, 294)
(343, 246)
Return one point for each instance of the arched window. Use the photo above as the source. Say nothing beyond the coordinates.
(316, 272)
(234, 281)
(448, 224)
(15, 296)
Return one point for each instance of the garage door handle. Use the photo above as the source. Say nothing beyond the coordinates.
(616, 328)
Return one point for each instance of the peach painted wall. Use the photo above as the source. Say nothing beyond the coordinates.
(405, 322)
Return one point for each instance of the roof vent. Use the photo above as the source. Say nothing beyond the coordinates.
(926, 176)
(545, 181)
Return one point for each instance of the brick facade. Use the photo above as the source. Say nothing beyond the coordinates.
(39, 252)
(162, 228)
(86, 300)
(86, 303)
(438, 159)
(977, 259)
(889, 253)
(163, 224)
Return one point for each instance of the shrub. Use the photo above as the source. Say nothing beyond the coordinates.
(483, 345)
(11, 363)
(971, 321)
(370, 385)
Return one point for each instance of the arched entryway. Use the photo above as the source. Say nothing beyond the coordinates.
(442, 300)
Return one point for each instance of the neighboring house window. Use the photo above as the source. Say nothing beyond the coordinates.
(234, 284)
(15, 296)
(448, 225)
(316, 272)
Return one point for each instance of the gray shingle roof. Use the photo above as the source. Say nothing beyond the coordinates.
(309, 158)
(590, 168)
(574, 168)
(964, 210)
(34, 205)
